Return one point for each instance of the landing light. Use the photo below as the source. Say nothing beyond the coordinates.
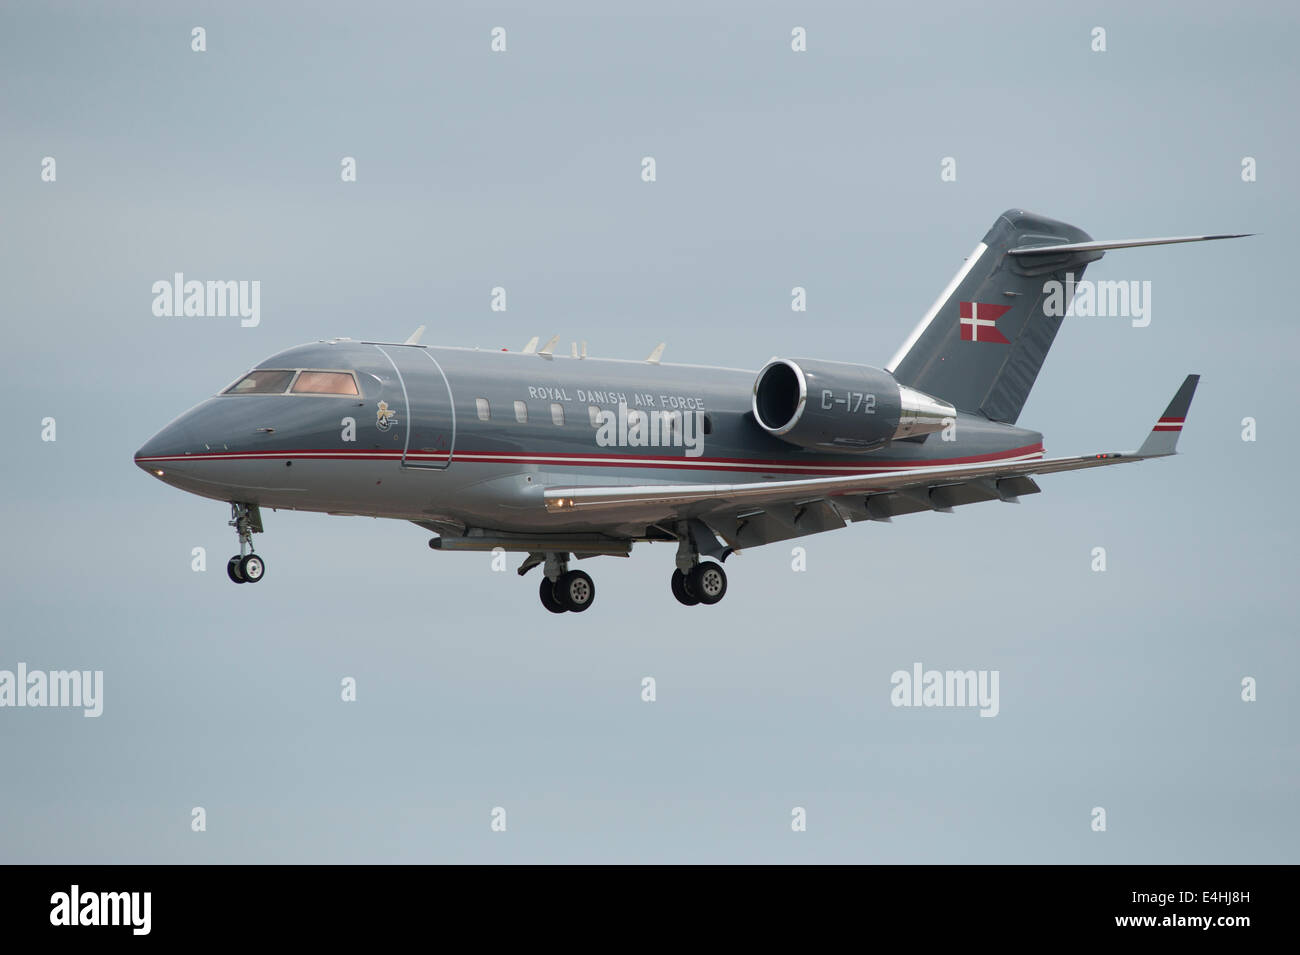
(158, 472)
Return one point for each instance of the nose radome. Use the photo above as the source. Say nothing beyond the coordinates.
(174, 441)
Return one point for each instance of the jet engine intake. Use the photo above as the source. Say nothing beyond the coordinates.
(836, 406)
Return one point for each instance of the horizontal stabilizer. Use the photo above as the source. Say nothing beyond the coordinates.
(1163, 438)
(1104, 244)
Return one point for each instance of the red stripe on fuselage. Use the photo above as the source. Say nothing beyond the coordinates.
(579, 459)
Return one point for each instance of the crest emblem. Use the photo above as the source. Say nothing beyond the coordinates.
(385, 417)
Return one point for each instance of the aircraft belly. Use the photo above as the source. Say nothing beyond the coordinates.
(378, 488)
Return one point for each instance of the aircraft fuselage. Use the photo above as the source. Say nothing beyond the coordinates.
(435, 434)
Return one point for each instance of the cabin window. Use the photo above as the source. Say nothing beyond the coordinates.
(325, 383)
(521, 412)
(557, 415)
(484, 410)
(261, 382)
(593, 415)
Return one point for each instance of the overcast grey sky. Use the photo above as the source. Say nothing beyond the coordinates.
(775, 169)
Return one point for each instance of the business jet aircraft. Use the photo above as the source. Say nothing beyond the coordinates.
(561, 457)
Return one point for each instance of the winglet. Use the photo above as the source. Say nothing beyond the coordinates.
(1163, 438)
(415, 336)
(548, 350)
(531, 346)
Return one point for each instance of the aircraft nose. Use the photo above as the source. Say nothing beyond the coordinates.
(161, 451)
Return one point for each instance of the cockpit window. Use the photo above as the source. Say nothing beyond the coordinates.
(267, 381)
(325, 383)
(261, 382)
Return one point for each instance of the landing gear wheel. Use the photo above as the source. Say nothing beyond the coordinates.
(680, 591)
(575, 590)
(245, 567)
(709, 581)
(549, 600)
(251, 568)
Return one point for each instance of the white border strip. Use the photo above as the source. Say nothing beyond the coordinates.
(928, 317)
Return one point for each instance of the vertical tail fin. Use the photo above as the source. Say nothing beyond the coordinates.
(982, 343)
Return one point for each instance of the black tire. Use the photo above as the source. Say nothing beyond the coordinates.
(575, 590)
(708, 581)
(547, 592)
(681, 591)
(232, 570)
(252, 568)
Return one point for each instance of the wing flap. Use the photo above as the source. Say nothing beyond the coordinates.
(754, 526)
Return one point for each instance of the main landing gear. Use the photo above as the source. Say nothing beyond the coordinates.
(245, 567)
(705, 583)
(695, 581)
(562, 589)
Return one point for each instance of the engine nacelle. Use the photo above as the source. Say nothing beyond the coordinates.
(835, 406)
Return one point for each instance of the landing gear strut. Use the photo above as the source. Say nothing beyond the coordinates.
(562, 589)
(245, 567)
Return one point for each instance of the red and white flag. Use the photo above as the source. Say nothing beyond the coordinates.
(979, 323)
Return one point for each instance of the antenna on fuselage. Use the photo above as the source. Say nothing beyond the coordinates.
(415, 337)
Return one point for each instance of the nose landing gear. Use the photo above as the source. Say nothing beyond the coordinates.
(245, 567)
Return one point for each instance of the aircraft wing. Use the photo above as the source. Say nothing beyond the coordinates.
(760, 512)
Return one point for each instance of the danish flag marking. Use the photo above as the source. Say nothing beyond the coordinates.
(976, 316)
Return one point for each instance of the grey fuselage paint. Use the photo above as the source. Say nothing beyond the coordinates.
(425, 455)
